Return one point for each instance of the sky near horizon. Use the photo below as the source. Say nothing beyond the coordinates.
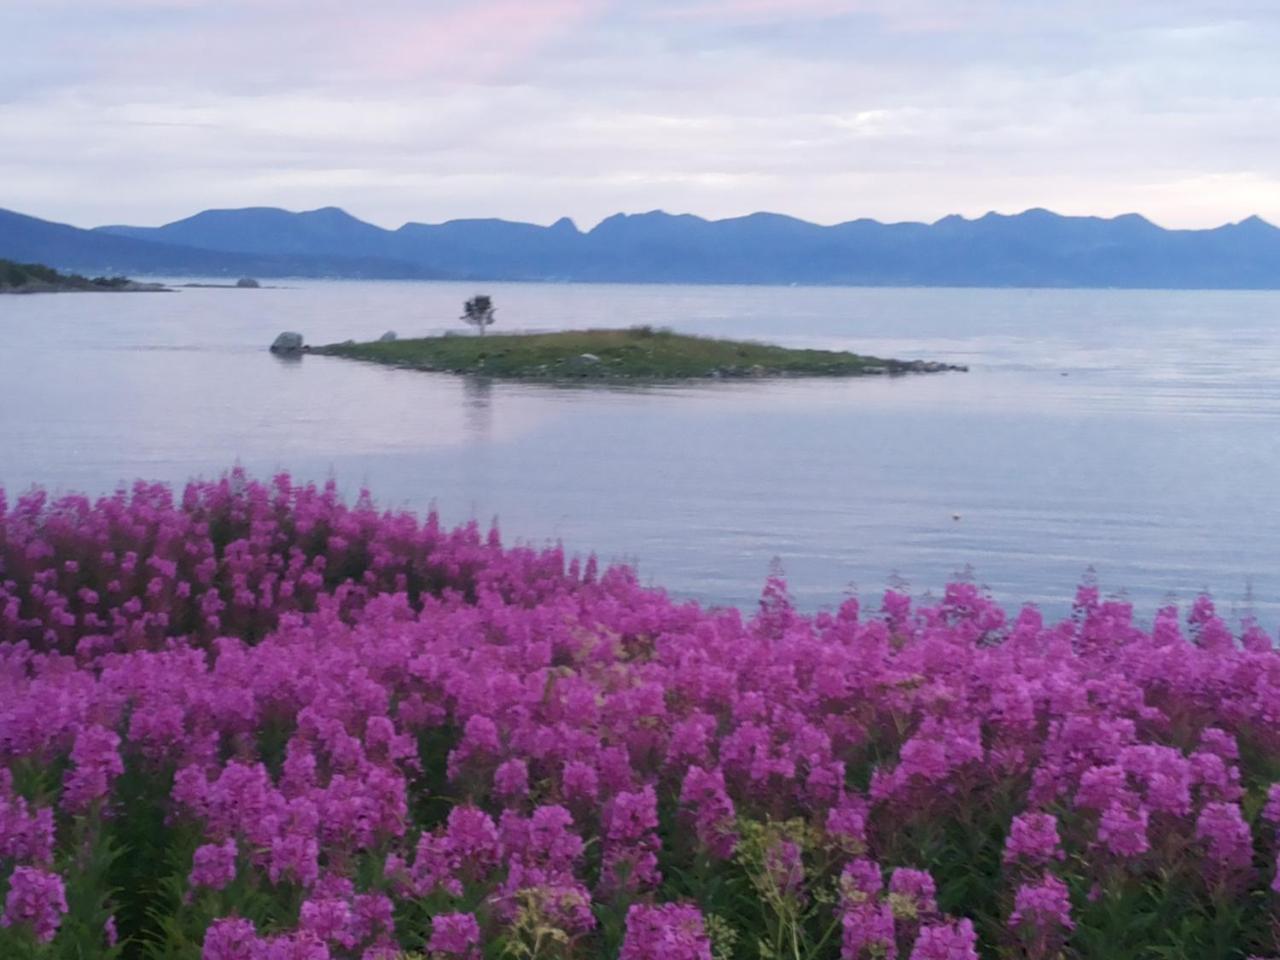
(146, 111)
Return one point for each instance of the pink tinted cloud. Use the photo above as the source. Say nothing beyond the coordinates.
(478, 40)
(923, 15)
(290, 44)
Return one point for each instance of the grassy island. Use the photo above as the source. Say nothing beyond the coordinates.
(37, 278)
(639, 353)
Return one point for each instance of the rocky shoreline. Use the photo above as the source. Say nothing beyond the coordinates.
(131, 287)
(27, 278)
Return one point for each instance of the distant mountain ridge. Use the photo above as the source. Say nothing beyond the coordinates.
(1036, 248)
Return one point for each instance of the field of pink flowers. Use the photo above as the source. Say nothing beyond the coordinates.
(252, 722)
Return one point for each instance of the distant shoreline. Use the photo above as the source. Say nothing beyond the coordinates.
(132, 287)
(29, 278)
(244, 283)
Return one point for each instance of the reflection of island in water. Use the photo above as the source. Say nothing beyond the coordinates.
(477, 406)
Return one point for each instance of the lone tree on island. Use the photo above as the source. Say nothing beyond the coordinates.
(479, 311)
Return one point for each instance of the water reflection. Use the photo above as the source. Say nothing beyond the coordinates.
(477, 405)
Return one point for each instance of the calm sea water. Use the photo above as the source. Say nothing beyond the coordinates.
(1134, 433)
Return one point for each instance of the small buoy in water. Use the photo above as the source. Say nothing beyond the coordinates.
(955, 516)
(1064, 374)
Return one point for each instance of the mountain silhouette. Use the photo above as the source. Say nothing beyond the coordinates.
(96, 252)
(1036, 248)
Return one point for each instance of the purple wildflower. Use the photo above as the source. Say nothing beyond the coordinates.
(36, 898)
(667, 932)
(454, 934)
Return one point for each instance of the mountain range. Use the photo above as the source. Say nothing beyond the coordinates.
(1036, 248)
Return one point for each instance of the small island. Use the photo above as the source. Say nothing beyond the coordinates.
(37, 278)
(635, 354)
(244, 283)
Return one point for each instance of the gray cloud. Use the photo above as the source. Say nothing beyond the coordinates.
(147, 110)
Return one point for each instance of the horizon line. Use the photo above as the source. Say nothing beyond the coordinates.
(661, 211)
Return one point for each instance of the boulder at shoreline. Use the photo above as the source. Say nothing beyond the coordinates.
(287, 343)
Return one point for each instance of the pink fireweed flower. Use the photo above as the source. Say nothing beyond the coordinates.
(897, 608)
(1123, 831)
(846, 825)
(302, 945)
(511, 780)
(231, 938)
(705, 795)
(1226, 837)
(1270, 812)
(25, 836)
(552, 842)
(946, 941)
(1041, 917)
(1033, 840)
(214, 865)
(1165, 774)
(667, 932)
(691, 740)
(434, 867)
(824, 783)
(937, 751)
(868, 933)
(96, 762)
(560, 899)
(913, 892)
(479, 741)
(374, 916)
(631, 840)
(471, 838)
(1221, 742)
(329, 920)
(1215, 778)
(296, 857)
(580, 782)
(36, 898)
(1101, 787)
(862, 880)
(454, 934)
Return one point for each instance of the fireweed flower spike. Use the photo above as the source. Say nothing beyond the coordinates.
(357, 734)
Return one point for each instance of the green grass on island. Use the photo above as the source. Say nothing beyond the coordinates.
(638, 353)
(37, 278)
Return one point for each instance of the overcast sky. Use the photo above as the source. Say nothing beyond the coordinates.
(144, 111)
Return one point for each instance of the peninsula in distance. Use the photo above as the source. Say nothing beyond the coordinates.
(1037, 248)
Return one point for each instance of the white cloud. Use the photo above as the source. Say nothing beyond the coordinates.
(147, 110)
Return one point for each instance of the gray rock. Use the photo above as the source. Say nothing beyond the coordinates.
(287, 342)
(388, 337)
